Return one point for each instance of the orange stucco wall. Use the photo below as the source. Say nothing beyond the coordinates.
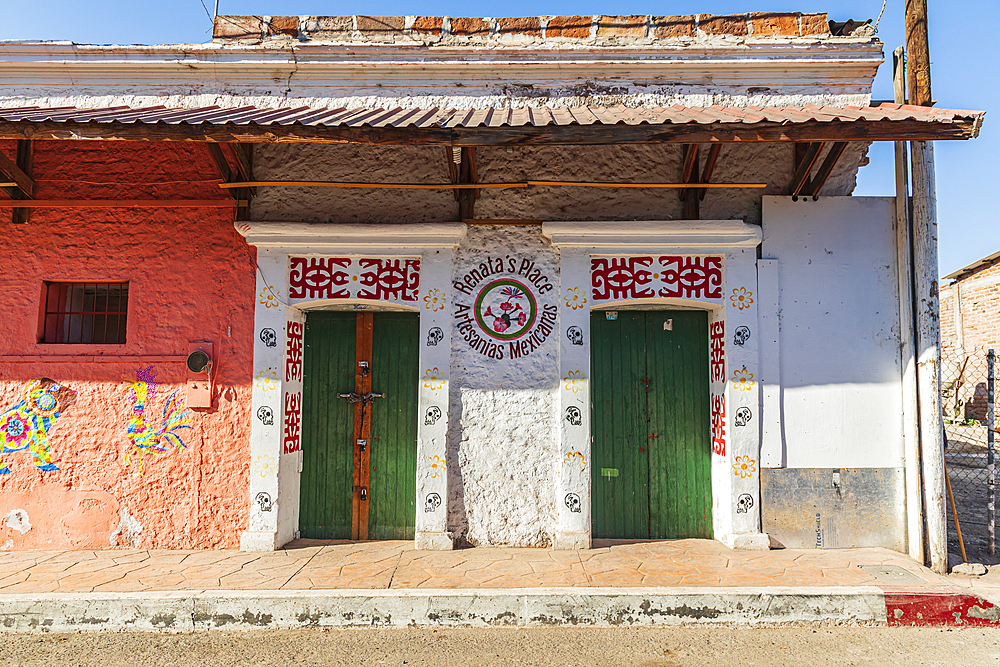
(191, 278)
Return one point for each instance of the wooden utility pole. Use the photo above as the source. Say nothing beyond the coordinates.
(925, 293)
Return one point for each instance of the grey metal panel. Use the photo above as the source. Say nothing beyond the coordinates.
(834, 507)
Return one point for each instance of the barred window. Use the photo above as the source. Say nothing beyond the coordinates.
(92, 313)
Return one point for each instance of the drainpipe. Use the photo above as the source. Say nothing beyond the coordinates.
(925, 283)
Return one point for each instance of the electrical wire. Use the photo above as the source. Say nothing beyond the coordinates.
(880, 15)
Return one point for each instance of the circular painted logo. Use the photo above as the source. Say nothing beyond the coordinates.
(505, 309)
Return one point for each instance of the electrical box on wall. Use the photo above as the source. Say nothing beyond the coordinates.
(200, 360)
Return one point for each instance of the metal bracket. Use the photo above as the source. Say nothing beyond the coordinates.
(364, 399)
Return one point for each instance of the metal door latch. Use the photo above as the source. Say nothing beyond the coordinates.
(364, 399)
(362, 443)
(363, 490)
(364, 367)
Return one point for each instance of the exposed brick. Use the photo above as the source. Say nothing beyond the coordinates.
(381, 24)
(527, 25)
(428, 24)
(673, 26)
(732, 24)
(568, 26)
(769, 24)
(284, 25)
(237, 27)
(470, 27)
(628, 26)
(814, 24)
(324, 26)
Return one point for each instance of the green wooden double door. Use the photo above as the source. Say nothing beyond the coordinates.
(359, 453)
(651, 448)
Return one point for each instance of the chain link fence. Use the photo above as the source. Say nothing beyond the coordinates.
(969, 422)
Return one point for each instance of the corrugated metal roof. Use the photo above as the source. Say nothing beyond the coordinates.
(978, 265)
(493, 117)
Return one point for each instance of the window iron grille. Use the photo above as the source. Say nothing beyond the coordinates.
(89, 313)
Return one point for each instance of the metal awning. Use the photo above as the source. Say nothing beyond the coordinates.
(493, 126)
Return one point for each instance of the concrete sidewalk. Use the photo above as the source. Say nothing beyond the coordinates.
(389, 583)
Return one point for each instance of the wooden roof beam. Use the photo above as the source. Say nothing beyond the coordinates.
(19, 171)
(819, 180)
(804, 161)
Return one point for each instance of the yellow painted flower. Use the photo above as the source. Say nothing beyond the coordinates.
(574, 381)
(573, 456)
(575, 297)
(744, 467)
(438, 467)
(270, 297)
(267, 379)
(743, 379)
(434, 300)
(742, 298)
(265, 466)
(433, 378)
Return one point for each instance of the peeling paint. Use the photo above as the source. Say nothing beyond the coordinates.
(18, 520)
(129, 529)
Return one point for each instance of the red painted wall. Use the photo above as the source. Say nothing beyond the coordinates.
(191, 278)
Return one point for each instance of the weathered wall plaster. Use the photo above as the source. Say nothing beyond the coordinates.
(190, 275)
(764, 163)
(502, 448)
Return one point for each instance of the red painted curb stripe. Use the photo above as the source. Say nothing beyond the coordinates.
(953, 609)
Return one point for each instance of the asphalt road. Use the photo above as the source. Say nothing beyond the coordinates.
(517, 647)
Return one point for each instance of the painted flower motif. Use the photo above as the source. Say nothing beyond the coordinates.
(742, 298)
(573, 456)
(434, 300)
(743, 379)
(16, 430)
(270, 297)
(574, 381)
(267, 379)
(499, 325)
(744, 467)
(438, 467)
(265, 466)
(575, 297)
(433, 378)
(521, 319)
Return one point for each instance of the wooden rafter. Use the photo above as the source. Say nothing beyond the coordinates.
(710, 162)
(467, 173)
(226, 171)
(643, 133)
(689, 174)
(19, 172)
(805, 158)
(819, 180)
(452, 167)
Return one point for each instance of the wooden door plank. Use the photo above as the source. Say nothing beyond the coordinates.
(362, 426)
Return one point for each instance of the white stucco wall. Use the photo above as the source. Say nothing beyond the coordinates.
(838, 361)
(502, 447)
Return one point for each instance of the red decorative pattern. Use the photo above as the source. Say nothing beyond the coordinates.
(717, 351)
(318, 277)
(346, 278)
(682, 277)
(293, 421)
(391, 278)
(293, 352)
(719, 424)
(621, 277)
(691, 277)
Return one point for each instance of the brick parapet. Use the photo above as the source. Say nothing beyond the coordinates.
(451, 31)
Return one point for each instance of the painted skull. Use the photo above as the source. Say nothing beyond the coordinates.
(433, 414)
(265, 415)
(435, 336)
(744, 503)
(432, 502)
(574, 416)
(269, 338)
(743, 416)
(573, 502)
(741, 336)
(264, 500)
(575, 335)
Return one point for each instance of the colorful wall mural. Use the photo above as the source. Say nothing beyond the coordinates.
(26, 425)
(152, 433)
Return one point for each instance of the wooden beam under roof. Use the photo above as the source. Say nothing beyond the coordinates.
(644, 133)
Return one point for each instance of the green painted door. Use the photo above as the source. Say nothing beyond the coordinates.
(325, 497)
(392, 484)
(328, 431)
(651, 450)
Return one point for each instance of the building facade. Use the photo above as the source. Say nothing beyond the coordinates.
(508, 282)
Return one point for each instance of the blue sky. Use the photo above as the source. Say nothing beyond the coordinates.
(963, 46)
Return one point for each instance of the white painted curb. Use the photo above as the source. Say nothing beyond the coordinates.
(191, 611)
